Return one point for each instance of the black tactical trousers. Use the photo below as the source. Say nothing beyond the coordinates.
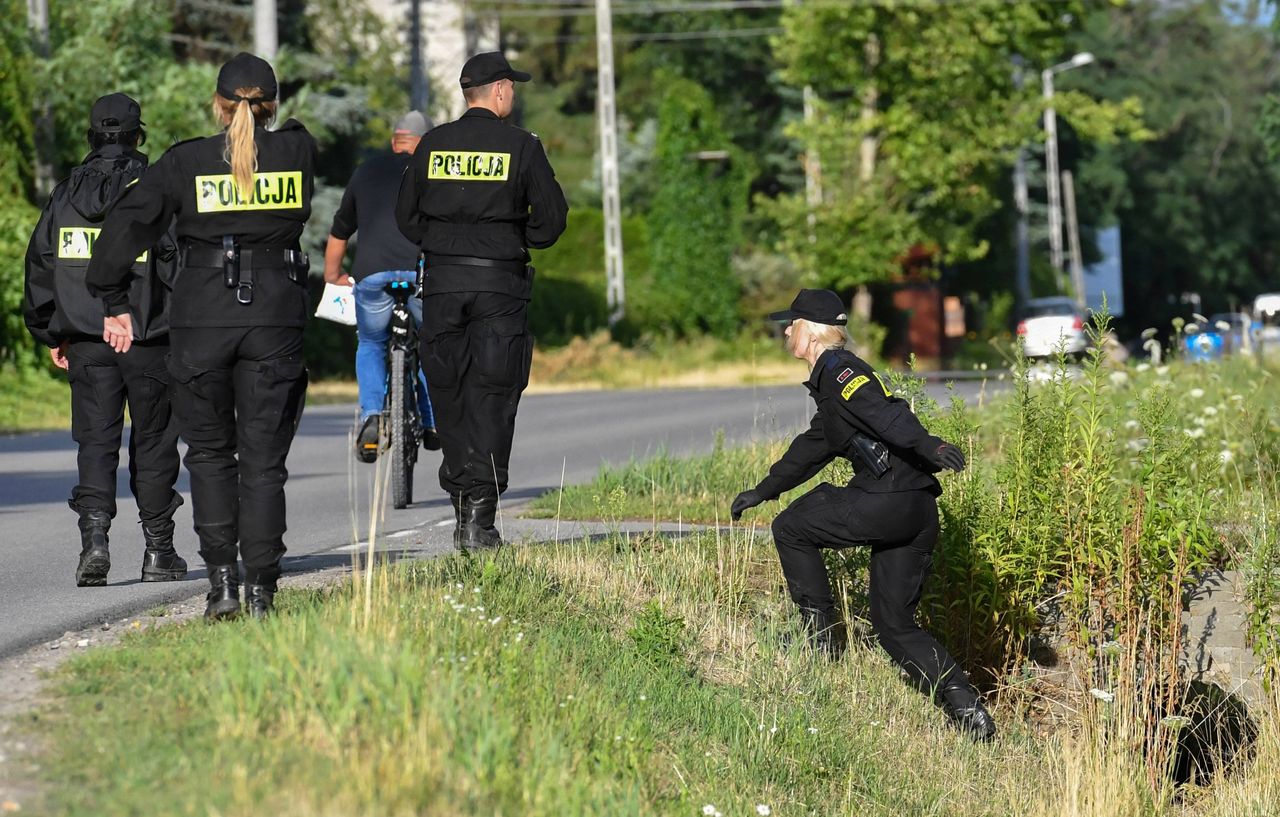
(238, 395)
(476, 349)
(901, 530)
(101, 383)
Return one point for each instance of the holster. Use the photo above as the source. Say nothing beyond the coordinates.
(871, 453)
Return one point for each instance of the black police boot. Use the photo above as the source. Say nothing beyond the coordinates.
(967, 713)
(459, 512)
(161, 563)
(826, 631)
(477, 530)
(223, 598)
(259, 599)
(95, 558)
(367, 439)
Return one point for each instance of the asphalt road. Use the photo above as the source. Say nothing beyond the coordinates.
(571, 434)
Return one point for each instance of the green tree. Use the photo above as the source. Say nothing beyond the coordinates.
(1199, 205)
(17, 148)
(915, 121)
(696, 217)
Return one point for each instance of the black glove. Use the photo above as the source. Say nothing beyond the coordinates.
(947, 455)
(745, 500)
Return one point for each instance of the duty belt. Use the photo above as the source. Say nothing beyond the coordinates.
(515, 267)
(238, 263)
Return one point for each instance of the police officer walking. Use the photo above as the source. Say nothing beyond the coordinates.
(476, 195)
(60, 313)
(890, 505)
(241, 199)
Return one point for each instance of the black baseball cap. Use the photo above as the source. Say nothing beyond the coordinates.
(245, 70)
(488, 67)
(817, 305)
(115, 113)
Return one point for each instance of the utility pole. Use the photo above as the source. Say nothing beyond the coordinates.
(1022, 275)
(615, 287)
(419, 94)
(1073, 238)
(265, 39)
(1051, 161)
(1051, 157)
(38, 19)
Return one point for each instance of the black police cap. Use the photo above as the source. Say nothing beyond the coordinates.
(245, 70)
(817, 305)
(115, 113)
(488, 67)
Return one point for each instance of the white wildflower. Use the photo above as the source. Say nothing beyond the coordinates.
(1162, 370)
(1132, 424)
(1210, 410)
(813, 730)
(763, 810)
(1237, 397)
(1226, 456)
(1143, 367)
(1196, 394)
(708, 810)
(1194, 433)
(1118, 378)
(1102, 695)
(773, 731)
(644, 697)
(519, 637)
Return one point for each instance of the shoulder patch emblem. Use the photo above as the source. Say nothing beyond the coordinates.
(845, 375)
(853, 385)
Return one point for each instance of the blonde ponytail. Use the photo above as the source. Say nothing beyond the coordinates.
(241, 117)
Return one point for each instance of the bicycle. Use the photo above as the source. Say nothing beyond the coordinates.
(401, 420)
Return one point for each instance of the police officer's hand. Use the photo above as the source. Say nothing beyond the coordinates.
(58, 355)
(744, 501)
(118, 332)
(947, 455)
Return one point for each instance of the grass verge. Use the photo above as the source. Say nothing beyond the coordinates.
(33, 401)
(617, 676)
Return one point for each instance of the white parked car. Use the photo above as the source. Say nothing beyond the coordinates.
(1050, 324)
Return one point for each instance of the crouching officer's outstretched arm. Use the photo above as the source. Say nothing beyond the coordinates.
(808, 454)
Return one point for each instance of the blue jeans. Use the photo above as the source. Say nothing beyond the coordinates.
(373, 331)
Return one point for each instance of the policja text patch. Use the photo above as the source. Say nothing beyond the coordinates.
(468, 166)
(853, 385)
(275, 190)
(76, 243)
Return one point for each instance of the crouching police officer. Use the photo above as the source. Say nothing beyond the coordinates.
(477, 193)
(890, 505)
(61, 314)
(241, 199)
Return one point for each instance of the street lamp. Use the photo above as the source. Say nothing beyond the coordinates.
(1051, 155)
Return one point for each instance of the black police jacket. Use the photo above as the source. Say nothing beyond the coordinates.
(851, 398)
(479, 188)
(193, 183)
(56, 304)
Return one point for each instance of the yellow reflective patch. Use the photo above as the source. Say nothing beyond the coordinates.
(853, 385)
(276, 190)
(76, 243)
(467, 166)
(887, 393)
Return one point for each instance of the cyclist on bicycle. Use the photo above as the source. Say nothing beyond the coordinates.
(383, 255)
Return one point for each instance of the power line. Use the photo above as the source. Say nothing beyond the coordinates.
(666, 36)
(574, 8)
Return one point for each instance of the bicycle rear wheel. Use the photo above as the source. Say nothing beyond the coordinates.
(404, 445)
